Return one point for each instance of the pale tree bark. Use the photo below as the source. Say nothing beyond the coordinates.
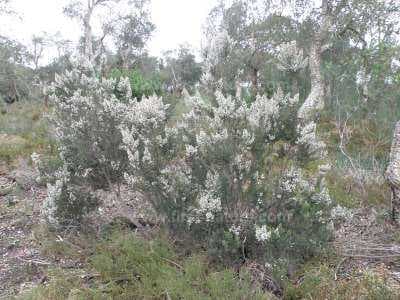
(88, 34)
(393, 173)
(89, 52)
(315, 102)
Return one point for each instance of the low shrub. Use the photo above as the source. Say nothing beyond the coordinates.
(219, 174)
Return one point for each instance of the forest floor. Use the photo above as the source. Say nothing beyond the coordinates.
(21, 263)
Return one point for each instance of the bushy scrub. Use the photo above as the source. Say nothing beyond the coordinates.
(86, 119)
(227, 172)
(224, 174)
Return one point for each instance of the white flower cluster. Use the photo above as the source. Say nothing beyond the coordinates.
(208, 204)
(143, 130)
(323, 196)
(290, 181)
(262, 233)
(291, 58)
(235, 229)
(341, 213)
(362, 77)
(86, 119)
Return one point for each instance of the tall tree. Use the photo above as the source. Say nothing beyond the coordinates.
(39, 43)
(131, 31)
(83, 10)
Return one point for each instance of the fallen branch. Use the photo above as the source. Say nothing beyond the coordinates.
(36, 262)
(338, 267)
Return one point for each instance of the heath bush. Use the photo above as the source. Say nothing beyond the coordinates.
(217, 174)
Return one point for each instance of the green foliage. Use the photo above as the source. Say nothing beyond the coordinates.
(128, 267)
(140, 85)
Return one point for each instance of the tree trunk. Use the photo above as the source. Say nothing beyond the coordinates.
(125, 57)
(254, 81)
(393, 172)
(88, 35)
(295, 85)
(315, 102)
(13, 91)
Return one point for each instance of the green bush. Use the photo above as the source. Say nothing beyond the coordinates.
(140, 86)
(319, 283)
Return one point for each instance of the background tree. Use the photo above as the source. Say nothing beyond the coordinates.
(131, 32)
(15, 77)
(248, 33)
(39, 43)
(84, 11)
(181, 70)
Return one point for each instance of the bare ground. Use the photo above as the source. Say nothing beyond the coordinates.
(20, 261)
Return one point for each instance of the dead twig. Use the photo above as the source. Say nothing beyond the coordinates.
(36, 262)
(338, 267)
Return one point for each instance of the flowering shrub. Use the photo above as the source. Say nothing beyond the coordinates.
(225, 173)
(86, 120)
(291, 58)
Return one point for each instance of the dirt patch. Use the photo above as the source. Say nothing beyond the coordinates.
(19, 255)
(369, 242)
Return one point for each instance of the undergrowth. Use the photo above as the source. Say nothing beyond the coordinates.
(125, 266)
(23, 130)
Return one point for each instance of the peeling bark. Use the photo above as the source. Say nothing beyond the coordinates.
(315, 102)
(88, 31)
(393, 172)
